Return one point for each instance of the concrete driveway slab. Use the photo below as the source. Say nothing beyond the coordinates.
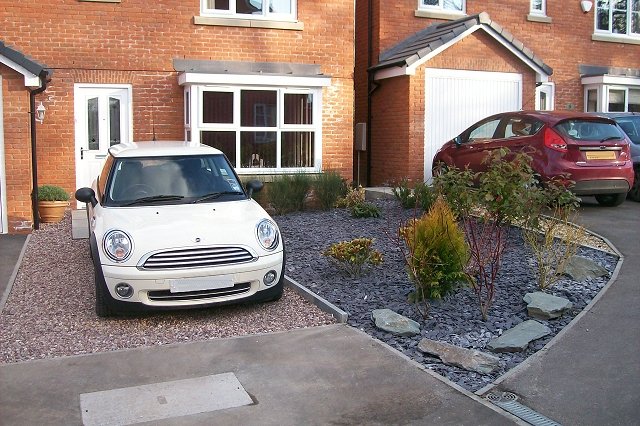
(318, 376)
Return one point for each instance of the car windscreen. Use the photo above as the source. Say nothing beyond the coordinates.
(172, 180)
(589, 130)
(631, 126)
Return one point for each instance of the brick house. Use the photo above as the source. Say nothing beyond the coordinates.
(427, 69)
(271, 86)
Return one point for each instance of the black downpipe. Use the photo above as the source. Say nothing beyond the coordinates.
(34, 161)
(369, 87)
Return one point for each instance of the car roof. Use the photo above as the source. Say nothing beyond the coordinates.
(160, 149)
(553, 117)
(615, 115)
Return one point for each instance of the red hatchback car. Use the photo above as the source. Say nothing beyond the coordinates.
(592, 151)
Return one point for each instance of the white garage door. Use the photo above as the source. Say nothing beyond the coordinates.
(455, 99)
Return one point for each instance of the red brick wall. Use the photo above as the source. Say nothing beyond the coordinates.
(135, 42)
(17, 150)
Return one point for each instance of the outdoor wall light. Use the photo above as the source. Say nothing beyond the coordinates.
(586, 5)
(40, 110)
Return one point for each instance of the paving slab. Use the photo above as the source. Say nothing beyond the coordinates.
(11, 249)
(324, 375)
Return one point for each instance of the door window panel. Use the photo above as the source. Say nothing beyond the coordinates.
(484, 131)
(114, 121)
(93, 124)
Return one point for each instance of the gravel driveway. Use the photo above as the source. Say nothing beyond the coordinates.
(50, 311)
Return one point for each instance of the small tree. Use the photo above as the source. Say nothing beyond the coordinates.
(354, 256)
(435, 254)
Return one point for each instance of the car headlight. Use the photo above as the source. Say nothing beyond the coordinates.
(117, 245)
(267, 233)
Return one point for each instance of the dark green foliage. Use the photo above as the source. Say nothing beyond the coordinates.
(288, 192)
(365, 210)
(52, 193)
(328, 188)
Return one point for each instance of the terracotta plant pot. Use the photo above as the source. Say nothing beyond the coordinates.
(52, 211)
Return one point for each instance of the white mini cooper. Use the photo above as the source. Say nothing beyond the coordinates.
(171, 227)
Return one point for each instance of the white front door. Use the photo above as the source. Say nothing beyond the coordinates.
(102, 119)
(455, 99)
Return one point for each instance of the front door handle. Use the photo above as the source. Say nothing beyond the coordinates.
(82, 150)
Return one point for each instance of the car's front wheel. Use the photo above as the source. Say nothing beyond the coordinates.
(610, 200)
(634, 193)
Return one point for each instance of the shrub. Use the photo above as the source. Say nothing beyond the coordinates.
(329, 187)
(52, 193)
(436, 254)
(288, 192)
(352, 197)
(404, 194)
(354, 256)
(425, 195)
(361, 210)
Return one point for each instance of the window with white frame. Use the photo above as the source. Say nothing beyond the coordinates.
(606, 98)
(260, 129)
(538, 7)
(447, 5)
(250, 9)
(620, 17)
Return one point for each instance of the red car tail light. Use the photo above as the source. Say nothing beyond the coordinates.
(554, 141)
(625, 154)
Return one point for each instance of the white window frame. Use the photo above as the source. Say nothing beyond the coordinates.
(548, 88)
(265, 15)
(603, 95)
(610, 32)
(198, 125)
(441, 7)
(539, 12)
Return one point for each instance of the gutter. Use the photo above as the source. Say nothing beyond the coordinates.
(34, 160)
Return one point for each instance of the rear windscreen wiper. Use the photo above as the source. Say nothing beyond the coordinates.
(610, 138)
(154, 198)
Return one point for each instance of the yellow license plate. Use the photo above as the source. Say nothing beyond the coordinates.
(601, 155)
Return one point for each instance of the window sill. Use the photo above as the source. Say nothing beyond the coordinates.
(611, 38)
(102, 1)
(539, 18)
(247, 23)
(439, 14)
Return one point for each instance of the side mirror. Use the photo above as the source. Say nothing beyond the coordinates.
(254, 186)
(458, 140)
(87, 195)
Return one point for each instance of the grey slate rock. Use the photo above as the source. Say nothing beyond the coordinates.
(518, 338)
(392, 322)
(469, 359)
(580, 268)
(546, 306)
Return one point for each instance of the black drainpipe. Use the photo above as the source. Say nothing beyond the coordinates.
(34, 161)
(369, 87)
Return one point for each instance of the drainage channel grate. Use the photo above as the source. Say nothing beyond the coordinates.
(509, 402)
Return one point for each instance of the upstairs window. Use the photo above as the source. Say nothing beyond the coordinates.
(538, 7)
(620, 17)
(447, 5)
(250, 9)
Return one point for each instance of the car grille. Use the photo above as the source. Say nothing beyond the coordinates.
(197, 258)
(167, 296)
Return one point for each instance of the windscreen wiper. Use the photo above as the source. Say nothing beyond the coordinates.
(154, 198)
(214, 195)
(610, 138)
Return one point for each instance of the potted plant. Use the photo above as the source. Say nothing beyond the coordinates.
(52, 203)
